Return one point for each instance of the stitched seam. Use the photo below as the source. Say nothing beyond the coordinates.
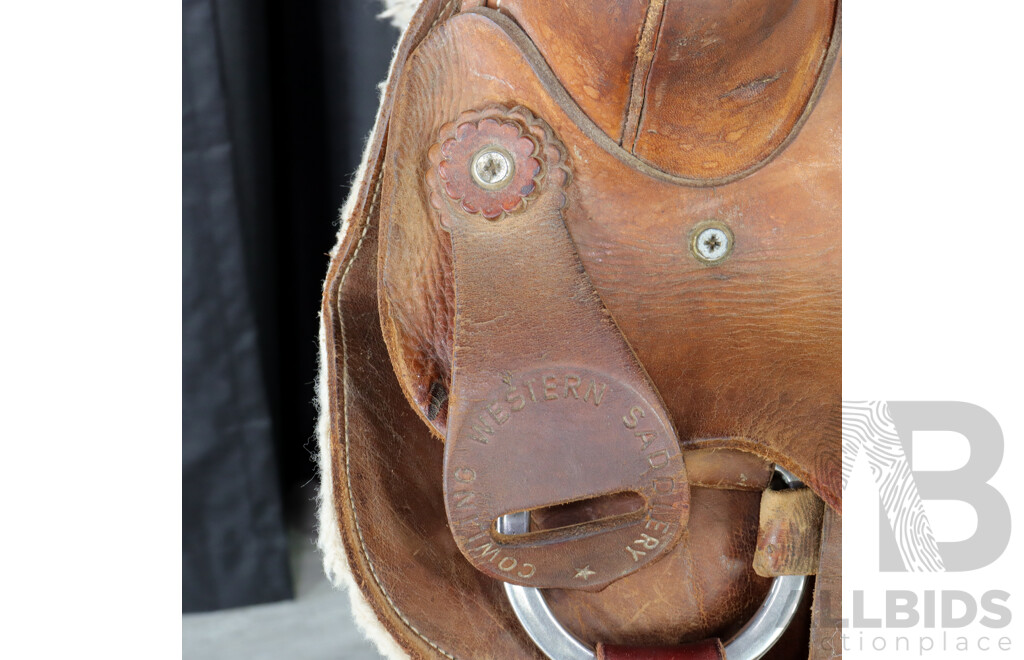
(344, 353)
(348, 471)
(440, 14)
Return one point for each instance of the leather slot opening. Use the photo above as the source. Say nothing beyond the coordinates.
(603, 511)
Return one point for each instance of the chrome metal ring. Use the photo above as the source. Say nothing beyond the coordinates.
(750, 643)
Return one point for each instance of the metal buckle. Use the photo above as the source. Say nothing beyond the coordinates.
(750, 643)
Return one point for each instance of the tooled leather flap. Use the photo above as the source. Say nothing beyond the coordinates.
(548, 403)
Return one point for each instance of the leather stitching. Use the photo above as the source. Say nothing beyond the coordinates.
(344, 353)
(348, 472)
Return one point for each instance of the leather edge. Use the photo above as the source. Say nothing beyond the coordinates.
(344, 558)
(825, 625)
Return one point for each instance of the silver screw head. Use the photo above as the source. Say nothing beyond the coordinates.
(712, 242)
(492, 168)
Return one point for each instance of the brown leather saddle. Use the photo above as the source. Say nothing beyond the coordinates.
(586, 301)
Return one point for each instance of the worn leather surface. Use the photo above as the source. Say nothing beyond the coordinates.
(744, 354)
(716, 88)
(789, 533)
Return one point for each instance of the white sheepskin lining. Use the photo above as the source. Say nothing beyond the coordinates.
(399, 12)
(329, 534)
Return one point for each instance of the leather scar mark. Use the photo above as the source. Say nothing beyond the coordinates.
(753, 88)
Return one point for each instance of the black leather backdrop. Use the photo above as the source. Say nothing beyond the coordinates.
(277, 100)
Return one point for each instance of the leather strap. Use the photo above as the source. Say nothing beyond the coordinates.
(709, 649)
(789, 533)
(827, 612)
(549, 405)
